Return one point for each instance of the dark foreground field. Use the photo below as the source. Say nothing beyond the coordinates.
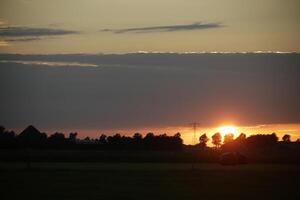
(148, 181)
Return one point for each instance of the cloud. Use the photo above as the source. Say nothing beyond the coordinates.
(23, 33)
(167, 28)
(244, 89)
(287, 130)
(50, 63)
(24, 39)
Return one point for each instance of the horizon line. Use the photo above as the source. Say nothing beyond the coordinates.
(160, 52)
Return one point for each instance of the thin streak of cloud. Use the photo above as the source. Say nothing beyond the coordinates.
(288, 130)
(50, 64)
(25, 39)
(167, 28)
(255, 126)
(22, 31)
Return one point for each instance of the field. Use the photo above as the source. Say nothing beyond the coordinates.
(148, 181)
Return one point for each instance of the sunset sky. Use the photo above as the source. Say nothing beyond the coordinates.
(106, 66)
(90, 27)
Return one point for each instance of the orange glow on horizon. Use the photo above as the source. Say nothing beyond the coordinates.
(185, 131)
(228, 129)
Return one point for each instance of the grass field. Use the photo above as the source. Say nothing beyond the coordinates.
(148, 181)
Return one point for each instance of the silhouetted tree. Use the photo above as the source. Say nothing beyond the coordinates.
(228, 138)
(2, 129)
(149, 135)
(57, 140)
(259, 140)
(177, 135)
(286, 138)
(137, 137)
(203, 139)
(177, 141)
(217, 139)
(148, 140)
(237, 144)
(57, 136)
(73, 137)
(114, 141)
(102, 139)
(7, 138)
(241, 137)
(137, 140)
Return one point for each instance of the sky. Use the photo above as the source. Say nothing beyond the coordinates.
(137, 65)
(150, 91)
(122, 26)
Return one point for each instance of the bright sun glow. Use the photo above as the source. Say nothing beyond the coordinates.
(228, 129)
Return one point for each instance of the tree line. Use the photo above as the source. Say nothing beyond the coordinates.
(33, 138)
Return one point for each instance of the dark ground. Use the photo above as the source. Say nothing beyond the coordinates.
(148, 181)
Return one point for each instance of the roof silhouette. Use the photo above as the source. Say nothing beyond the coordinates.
(30, 130)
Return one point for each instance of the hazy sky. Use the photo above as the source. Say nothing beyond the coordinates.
(122, 90)
(118, 26)
(149, 90)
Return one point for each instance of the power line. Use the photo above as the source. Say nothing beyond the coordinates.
(194, 125)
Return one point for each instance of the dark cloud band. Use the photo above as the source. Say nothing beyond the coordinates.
(168, 28)
(16, 31)
(22, 39)
(98, 91)
(23, 34)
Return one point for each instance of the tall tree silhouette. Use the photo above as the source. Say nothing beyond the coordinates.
(286, 138)
(203, 139)
(217, 139)
(241, 137)
(102, 139)
(73, 137)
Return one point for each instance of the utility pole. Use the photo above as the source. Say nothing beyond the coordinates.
(194, 125)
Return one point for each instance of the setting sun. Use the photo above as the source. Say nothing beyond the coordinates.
(228, 129)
